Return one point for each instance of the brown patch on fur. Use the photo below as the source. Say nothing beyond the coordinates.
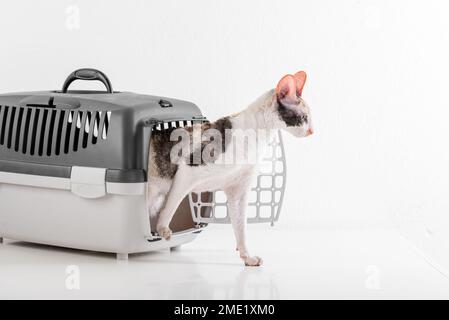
(160, 154)
(161, 146)
(223, 126)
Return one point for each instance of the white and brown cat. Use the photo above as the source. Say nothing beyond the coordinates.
(170, 181)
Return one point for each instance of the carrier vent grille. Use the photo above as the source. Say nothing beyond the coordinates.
(51, 132)
(161, 126)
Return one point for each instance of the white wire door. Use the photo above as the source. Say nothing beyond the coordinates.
(266, 197)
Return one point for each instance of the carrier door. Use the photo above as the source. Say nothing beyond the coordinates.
(266, 197)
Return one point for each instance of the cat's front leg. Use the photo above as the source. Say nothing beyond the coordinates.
(237, 200)
(181, 186)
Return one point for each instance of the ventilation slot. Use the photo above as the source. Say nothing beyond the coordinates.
(3, 117)
(26, 130)
(10, 125)
(51, 131)
(105, 126)
(60, 131)
(43, 132)
(37, 114)
(87, 129)
(77, 126)
(47, 132)
(96, 127)
(17, 128)
(68, 130)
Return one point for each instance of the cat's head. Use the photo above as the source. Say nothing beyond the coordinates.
(291, 112)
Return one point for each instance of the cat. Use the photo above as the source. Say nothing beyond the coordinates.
(170, 181)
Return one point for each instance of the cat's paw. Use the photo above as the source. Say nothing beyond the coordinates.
(253, 261)
(164, 232)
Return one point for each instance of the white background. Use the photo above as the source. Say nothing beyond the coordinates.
(378, 85)
(378, 82)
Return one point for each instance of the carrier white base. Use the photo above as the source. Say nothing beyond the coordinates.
(113, 223)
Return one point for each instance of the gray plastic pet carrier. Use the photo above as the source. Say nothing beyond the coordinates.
(73, 170)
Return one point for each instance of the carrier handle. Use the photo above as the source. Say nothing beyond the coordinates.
(89, 75)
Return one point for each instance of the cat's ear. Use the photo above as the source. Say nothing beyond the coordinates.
(300, 78)
(286, 88)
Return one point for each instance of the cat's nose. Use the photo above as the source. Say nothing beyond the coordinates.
(309, 131)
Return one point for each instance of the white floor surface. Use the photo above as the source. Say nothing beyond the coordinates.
(301, 263)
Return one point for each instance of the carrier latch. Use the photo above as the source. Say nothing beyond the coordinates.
(88, 182)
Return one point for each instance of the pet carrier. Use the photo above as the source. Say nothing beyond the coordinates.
(73, 170)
